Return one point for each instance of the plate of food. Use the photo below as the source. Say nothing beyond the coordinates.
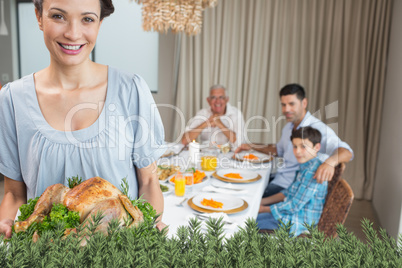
(165, 171)
(199, 178)
(237, 175)
(217, 202)
(166, 188)
(253, 157)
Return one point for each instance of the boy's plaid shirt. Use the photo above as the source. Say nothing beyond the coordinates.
(304, 199)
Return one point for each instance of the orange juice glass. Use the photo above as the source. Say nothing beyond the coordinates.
(209, 160)
(179, 185)
(189, 178)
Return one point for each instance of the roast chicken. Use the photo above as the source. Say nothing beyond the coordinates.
(88, 198)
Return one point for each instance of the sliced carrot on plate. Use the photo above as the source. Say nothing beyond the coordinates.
(211, 203)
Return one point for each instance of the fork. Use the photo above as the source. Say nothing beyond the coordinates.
(205, 217)
(182, 202)
(225, 187)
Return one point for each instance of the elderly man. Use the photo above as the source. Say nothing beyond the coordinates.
(220, 123)
(333, 151)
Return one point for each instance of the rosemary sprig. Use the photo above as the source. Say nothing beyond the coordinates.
(74, 181)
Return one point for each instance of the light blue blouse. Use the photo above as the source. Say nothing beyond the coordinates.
(128, 134)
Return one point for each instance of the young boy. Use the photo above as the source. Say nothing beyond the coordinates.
(304, 200)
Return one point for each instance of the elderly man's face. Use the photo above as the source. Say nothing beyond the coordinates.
(217, 100)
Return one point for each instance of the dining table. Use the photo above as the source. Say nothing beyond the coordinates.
(176, 215)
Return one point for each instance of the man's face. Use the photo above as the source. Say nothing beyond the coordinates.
(304, 150)
(293, 108)
(217, 100)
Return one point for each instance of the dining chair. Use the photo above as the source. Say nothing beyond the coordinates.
(335, 178)
(336, 208)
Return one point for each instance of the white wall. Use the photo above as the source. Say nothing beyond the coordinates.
(164, 98)
(387, 198)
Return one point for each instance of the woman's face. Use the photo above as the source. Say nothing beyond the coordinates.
(70, 29)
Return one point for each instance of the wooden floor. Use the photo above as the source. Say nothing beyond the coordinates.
(360, 209)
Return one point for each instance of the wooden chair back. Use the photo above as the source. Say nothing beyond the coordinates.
(336, 208)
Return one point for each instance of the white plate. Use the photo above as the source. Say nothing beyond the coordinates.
(229, 201)
(171, 189)
(206, 178)
(262, 158)
(172, 149)
(246, 174)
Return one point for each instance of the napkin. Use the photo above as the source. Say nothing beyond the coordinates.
(211, 188)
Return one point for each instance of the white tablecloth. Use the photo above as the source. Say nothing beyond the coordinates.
(176, 216)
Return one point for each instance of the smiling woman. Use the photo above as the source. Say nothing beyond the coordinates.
(62, 120)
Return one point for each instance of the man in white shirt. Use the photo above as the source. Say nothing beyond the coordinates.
(220, 123)
(333, 150)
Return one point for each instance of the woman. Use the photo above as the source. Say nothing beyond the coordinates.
(76, 116)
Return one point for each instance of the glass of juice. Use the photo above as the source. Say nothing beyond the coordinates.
(189, 178)
(179, 184)
(209, 159)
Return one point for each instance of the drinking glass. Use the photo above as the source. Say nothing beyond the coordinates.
(209, 159)
(179, 184)
(189, 178)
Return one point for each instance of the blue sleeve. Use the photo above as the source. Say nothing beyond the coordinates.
(9, 156)
(149, 135)
(330, 141)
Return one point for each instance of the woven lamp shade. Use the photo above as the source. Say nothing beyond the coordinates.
(178, 15)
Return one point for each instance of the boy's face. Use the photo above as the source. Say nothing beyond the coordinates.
(304, 150)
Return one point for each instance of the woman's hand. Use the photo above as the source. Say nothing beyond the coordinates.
(15, 194)
(160, 225)
(5, 227)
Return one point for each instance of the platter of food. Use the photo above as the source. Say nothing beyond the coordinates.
(199, 178)
(253, 157)
(165, 171)
(77, 203)
(215, 202)
(166, 189)
(236, 175)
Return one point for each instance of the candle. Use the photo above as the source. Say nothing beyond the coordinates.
(194, 151)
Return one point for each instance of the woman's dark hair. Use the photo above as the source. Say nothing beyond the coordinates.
(292, 89)
(107, 7)
(309, 133)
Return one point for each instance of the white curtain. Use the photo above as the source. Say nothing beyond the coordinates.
(336, 49)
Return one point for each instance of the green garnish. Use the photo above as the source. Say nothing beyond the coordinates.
(163, 167)
(146, 208)
(74, 181)
(124, 187)
(192, 169)
(60, 214)
(27, 209)
(164, 188)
